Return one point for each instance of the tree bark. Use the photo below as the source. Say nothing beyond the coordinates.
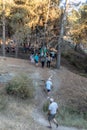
(3, 47)
(63, 18)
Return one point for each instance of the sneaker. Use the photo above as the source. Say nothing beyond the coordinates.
(49, 127)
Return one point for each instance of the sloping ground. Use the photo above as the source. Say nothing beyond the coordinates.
(28, 115)
(76, 60)
(73, 87)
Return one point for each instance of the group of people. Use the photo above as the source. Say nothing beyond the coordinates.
(36, 58)
(53, 106)
(43, 56)
(45, 59)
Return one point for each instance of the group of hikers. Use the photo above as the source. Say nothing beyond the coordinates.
(36, 58)
(44, 57)
(53, 106)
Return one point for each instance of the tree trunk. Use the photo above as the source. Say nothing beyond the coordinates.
(3, 47)
(58, 56)
(59, 43)
(63, 19)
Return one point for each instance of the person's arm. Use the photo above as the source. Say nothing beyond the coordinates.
(48, 112)
(57, 110)
(49, 109)
(52, 86)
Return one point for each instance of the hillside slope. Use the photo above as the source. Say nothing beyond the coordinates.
(28, 115)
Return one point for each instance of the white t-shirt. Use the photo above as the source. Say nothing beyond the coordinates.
(48, 85)
(53, 108)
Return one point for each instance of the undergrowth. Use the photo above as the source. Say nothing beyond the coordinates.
(21, 86)
(69, 117)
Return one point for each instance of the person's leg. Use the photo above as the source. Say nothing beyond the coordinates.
(42, 64)
(47, 63)
(36, 63)
(50, 124)
(49, 119)
(55, 122)
(48, 92)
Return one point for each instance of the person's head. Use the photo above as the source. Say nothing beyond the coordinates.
(49, 79)
(51, 100)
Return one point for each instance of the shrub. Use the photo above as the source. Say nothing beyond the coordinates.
(45, 106)
(70, 117)
(21, 86)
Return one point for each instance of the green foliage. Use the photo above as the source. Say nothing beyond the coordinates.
(79, 29)
(71, 117)
(45, 106)
(74, 17)
(21, 86)
(31, 13)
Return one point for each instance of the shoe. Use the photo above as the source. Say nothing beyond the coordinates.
(49, 127)
(56, 125)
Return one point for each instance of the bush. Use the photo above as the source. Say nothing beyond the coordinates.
(20, 86)
(71, 117)
(45, 106)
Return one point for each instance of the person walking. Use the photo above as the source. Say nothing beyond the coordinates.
(43, 61)
(32, 58)
(48, 61)
(52, 111)
(48, 85)
(36, 58)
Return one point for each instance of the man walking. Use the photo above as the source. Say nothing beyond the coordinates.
(52, 110)
(48, 60)
(42, 61)
(48, 86)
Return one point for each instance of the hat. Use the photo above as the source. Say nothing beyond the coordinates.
(51, 99)
(49, 79)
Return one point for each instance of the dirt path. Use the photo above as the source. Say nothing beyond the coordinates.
(19, 115)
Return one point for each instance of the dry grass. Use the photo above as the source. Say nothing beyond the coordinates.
(21, 86)
(73, 92)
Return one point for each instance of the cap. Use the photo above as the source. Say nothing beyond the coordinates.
(51, 99)
(49, 79)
